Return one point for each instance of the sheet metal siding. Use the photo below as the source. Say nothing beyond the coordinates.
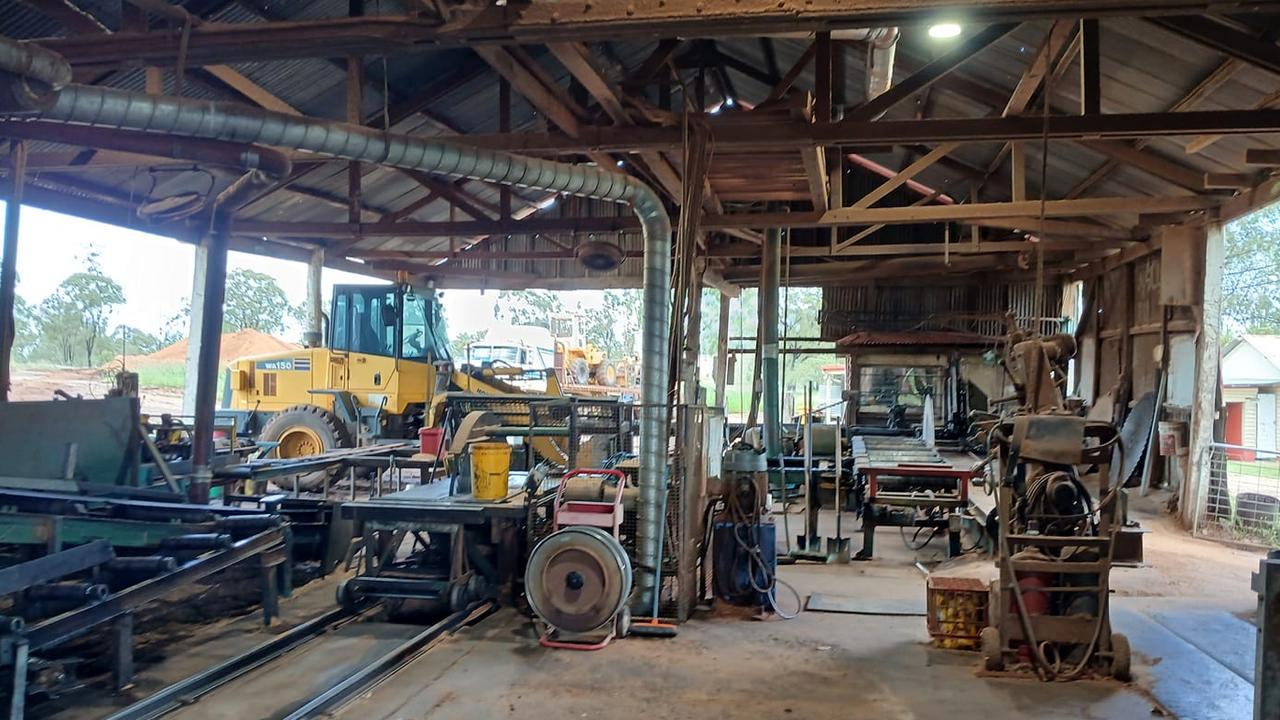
(977, 309)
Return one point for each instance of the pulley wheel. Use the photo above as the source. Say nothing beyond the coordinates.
(578, 579)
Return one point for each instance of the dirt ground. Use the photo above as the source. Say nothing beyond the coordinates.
(40, 384)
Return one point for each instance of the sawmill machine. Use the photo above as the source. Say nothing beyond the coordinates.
(383, 373)
(1058, 525)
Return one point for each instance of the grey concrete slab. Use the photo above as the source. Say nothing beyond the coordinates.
(1184, 679)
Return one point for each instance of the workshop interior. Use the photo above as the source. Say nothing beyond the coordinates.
(1034, 471)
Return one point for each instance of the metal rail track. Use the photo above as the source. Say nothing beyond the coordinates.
(185, 692)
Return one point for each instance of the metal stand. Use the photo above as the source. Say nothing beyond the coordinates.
(122, 652)
(1266, 678)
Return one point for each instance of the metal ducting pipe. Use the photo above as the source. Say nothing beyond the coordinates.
(106, 107)
(882, 48)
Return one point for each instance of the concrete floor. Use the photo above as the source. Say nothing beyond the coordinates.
(1183, 612)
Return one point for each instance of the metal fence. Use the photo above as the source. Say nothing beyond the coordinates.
(1242, 501)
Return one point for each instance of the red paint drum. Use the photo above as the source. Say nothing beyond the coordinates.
(429, 440)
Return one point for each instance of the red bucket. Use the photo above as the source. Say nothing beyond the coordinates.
(430, 440)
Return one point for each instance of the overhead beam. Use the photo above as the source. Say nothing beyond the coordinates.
(1150, 163)
(538, 22)
(1023, 213)
(732, 133)
(1259, 52)
(1269, 157)
(748, 250)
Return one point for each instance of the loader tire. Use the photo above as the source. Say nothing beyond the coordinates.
(303, 431)
(579, 372)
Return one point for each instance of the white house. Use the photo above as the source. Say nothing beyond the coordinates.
(1251, 379)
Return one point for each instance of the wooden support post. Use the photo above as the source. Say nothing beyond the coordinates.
(504, 126)
(1090, 68)
(1018, 172)
(1205, 410)
(822, 78)
(355, 94)
(9, 260)
(721, 370)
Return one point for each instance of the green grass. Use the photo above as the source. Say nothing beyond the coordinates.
(1267, 470)
(163, 375)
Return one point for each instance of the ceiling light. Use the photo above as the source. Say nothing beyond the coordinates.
(942, 31)
(728, 102)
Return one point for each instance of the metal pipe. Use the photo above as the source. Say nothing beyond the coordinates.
(107, 107)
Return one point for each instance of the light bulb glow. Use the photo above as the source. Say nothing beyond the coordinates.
(942, 31)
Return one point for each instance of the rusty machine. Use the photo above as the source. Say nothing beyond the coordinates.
(1057, 506)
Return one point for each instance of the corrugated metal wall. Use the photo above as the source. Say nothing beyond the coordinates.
(980, 309)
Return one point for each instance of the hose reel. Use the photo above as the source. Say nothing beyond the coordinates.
(578, 581)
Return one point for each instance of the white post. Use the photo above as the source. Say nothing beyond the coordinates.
(1204, 409)
(313, 334)
(193, 331)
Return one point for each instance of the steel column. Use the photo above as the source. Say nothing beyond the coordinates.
(9, 261)
(770, 280)
(314, 336)
(1266, 676)
(215, 281)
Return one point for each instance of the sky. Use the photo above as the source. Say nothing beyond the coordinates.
(155, 273)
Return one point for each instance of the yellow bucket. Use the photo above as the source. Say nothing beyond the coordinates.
(490, 464)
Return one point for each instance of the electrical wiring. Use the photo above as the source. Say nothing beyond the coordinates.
(745, 523)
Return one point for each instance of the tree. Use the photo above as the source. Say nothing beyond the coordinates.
(616, 328)
(74, 318)
(128, 340)
(177, 326)
(26, 329)
(1251, 274)
(458, 343)
(254, 301)
(527, 307)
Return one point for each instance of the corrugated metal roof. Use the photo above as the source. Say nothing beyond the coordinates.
(1145, 69)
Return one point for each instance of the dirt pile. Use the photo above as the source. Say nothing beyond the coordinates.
(242, 343)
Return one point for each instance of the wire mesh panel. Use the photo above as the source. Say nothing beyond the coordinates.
(1242, 503)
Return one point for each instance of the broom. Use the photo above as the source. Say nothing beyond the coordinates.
(652, 626)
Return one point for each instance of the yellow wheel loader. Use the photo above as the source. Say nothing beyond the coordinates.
(383, 374)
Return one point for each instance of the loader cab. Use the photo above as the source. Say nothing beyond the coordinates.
(388, 321)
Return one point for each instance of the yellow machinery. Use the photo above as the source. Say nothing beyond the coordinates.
(582, 362)
(384, 372)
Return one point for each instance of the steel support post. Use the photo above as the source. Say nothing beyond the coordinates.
(1266, 676)
(215, 281)
(9, 260)
(18, 698)
(770, 280)
(314, 335)
(122, 652)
